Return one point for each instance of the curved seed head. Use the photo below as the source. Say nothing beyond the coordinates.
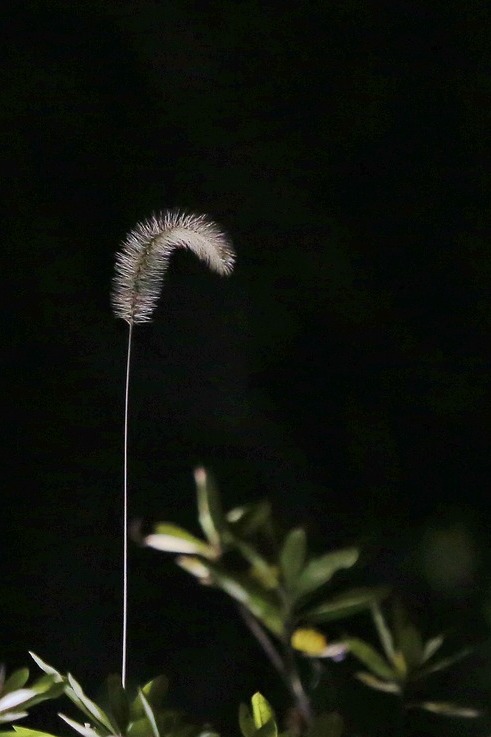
(144, 256)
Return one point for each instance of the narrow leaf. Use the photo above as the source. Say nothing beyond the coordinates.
(18, 679)
(344, 605)
(449, 710)
(210, 512)
(149, 714)
(82, 729)
(12, 716)
(26, 732)
(370, 658)
(442, 664)
(261, 569)
(319, 571)
(432, 646)
(15, 698)
(258, 601)
(76, 693)
(46, 668)
(194, 566)
(155, 691)
(384, 632)
(373, 682)
(173, 539)
(251, 519)
(292, 556)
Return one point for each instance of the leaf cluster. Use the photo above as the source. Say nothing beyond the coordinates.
(277, 582)
(143, 715)
(406, 660)
(17, 697)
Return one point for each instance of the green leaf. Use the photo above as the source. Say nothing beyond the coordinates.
(83, 729)
(373, 682)
(384, 633)
(344, 605)
(87, 706)
(432, 646)
(16, 698)
(261, 603)
(442, 664)
(250, 519)
(246, 722)
(292, 556)
(118, 702)
(210, 512)
(262, 713)
(326, 725)
(370, 658)
(408, 638)
(193, 565)
(155, 692)
(25, 732)
(269, 729)
(149, 714)
(12, 716)
(261, 569)
(16, 680)
(47, 668)
(448, 710)
(319, 571)
(173, 539)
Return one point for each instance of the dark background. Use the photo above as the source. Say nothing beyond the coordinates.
(342, 371)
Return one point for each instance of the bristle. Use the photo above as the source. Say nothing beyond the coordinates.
(143, 259)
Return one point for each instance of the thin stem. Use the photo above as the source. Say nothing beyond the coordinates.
(287, 667)
(296, 685)
(125, 511)
(264, 641)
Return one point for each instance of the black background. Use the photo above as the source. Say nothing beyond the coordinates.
(342, 371)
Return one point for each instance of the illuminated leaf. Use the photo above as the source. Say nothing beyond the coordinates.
(262, 713)
(84, 729)
(210, 513)
(250, 519)
(155, 691)
(308, 641)
(432, 646)
(292, 556)
(370, 658)
(384, 632)
(77, 695)
(149, 714)
(319, 571)
(261, 603)
(449, 710)
(373, 682)
(16, 698)
(173, 539)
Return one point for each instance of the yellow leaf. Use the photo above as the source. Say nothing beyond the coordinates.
(309, 641)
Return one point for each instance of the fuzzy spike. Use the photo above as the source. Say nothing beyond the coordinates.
(144, 256)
